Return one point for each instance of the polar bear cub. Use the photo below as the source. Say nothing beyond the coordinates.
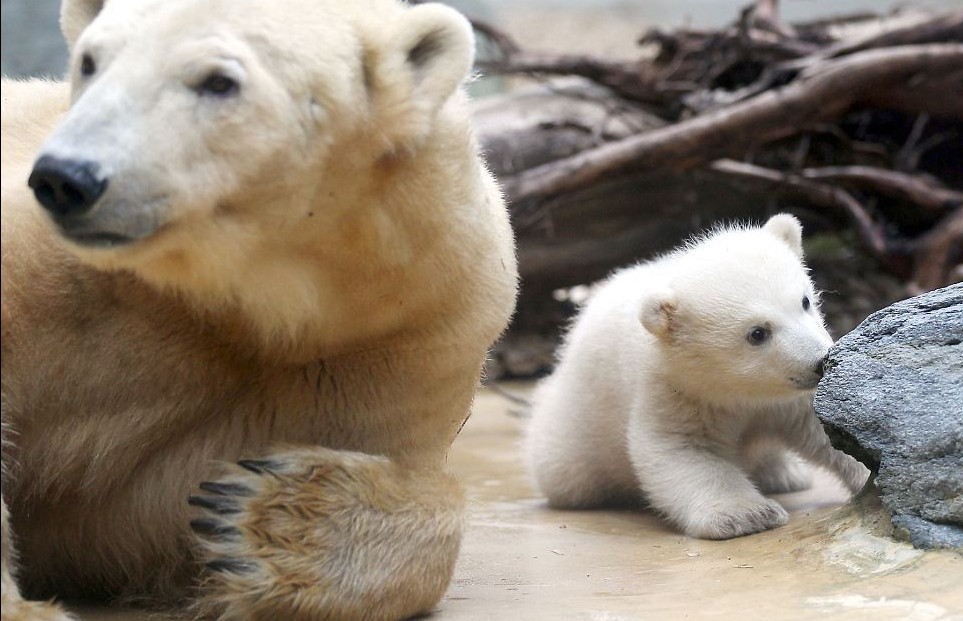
(687, 383)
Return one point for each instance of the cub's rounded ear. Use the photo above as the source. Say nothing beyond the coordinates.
(75, 16)
(787, 228)
(659, 313)
(411, 76)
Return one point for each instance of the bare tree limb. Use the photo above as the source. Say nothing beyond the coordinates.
(937, 252)
(927, 193)
(943, 28)
(691, 61)
(870, 233)
(505, 44)
(822, 93)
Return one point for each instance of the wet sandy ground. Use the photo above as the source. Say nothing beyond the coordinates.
(522, 561)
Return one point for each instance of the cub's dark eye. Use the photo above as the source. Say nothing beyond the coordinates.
(218, 85)
(87, 66)
(758, 335)
(806, 303)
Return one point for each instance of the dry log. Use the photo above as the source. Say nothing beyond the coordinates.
(942, 28)
(928, 193)
(823, 93)
(870, 232)
(938, 254)
(695, 61)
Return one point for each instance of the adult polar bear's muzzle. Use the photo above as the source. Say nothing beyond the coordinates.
(72, 191)
(83, 179)
(69, 190)
(66, 188)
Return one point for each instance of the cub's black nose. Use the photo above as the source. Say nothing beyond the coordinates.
(820, 367)
(66, 187)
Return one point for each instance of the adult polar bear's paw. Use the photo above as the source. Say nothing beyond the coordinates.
(323, 534)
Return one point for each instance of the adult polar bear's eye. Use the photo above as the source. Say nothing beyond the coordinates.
(218, 85)
(758, 335)
(806, 303)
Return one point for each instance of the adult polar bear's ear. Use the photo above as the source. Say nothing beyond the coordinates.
(658, 313)
(75, 16)
(787, 228)
(427, 56)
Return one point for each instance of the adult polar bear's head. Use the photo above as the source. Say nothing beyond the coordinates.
(192, 118)
(739, 320)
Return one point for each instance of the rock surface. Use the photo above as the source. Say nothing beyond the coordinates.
(892, 397)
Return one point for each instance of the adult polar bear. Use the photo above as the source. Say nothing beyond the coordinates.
(268, 231)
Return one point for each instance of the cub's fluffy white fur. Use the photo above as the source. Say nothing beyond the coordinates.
(687, 383)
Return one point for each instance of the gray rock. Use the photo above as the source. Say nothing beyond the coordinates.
(892, 397)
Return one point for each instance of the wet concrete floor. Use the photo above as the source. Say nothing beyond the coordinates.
(522, 561)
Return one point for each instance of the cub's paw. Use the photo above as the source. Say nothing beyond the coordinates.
(324, 534)
(737, 520)
(788, 474)
(23, 610)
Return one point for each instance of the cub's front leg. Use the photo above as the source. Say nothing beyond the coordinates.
(805, 434)
(706, 495)
(323, 534)
(774, 469)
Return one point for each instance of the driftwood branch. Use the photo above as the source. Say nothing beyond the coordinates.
(941, 28)
(937, 251)
(927, 193)
(821, 94)
(692, 61)
(870, 233)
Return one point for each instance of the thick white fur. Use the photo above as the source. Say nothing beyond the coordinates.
(659, 395)
(319, 264)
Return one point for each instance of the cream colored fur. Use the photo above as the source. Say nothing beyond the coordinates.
(660, 396)
(317, 260)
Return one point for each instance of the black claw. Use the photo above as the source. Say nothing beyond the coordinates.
(232, 565)
(215, 529)
(259, 466)
(222, 505)
(226, 489)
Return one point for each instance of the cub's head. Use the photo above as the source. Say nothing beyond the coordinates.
(218, 124)
(739, 321)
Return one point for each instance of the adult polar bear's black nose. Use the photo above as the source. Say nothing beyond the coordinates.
(66, 187)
